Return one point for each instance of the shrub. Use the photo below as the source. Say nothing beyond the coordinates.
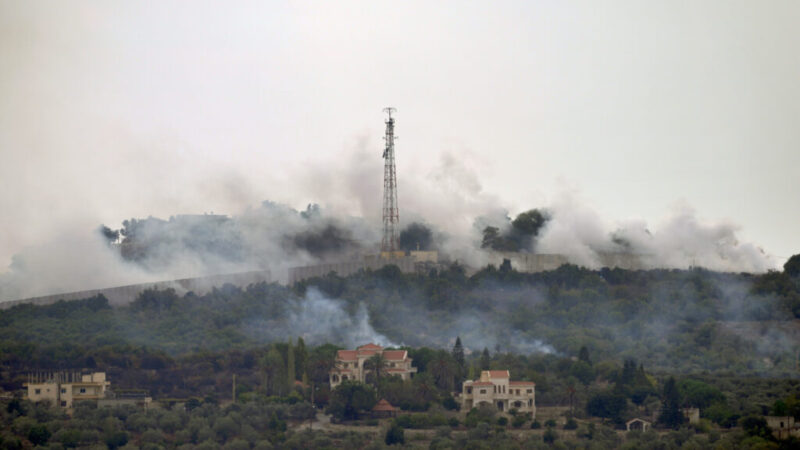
(395, 435)
(502, 421)
(549, 436)
(68, 437)
(519, 420)
(263, 445)
(571, 424)
(115, 439)
(483, 413)
(480, 432)
(450, 403)
(38, 434)
(535, 425)
(152, 437)
(207, 445)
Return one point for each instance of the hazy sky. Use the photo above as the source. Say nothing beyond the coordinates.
(112, 110)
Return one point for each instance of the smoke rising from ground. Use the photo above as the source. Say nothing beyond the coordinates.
(318, 319)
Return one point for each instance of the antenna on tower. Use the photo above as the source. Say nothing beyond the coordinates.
(391, 215)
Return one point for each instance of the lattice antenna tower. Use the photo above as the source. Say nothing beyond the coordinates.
(391, 214)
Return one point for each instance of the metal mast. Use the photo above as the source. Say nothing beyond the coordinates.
(391, 215)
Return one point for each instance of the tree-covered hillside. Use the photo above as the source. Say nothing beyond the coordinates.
(671, 320)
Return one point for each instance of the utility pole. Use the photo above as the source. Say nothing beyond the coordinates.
(391, 215)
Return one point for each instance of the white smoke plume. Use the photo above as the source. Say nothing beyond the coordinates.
(449, 197)
(319, 319)
(681, 240)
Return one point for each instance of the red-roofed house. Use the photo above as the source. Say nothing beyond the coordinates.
(496, 388)
(350, 364)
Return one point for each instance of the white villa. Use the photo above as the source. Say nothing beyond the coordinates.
(496, 388)
(350, 364)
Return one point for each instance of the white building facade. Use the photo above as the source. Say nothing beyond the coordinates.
(64, 389)
(496, 388)
(350, 364)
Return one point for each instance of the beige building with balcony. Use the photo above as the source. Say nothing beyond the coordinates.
(64, 389)
(496, 388)
(350, 364)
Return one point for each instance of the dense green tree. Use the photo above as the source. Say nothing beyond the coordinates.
(699, 394)
(486, 359)
(671, 415)
(301, 358)
(39, 434)
(583, 355)
(461, 362)
(290, 367)
(608, 404)
(445, 371)
(376, 367)
(274, 369)
(115, 439)
(582, 371)
(349, 399)
(756, 426)
(458, 353)
(395, 435)
(792, 266)
(529, 223)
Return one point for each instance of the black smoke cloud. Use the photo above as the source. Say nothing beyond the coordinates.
(416, 236)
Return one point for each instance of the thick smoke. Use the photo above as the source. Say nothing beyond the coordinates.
(493, 324)
(56, 266)
(449, 199)
(272, 237)
(318, 320)
(681, 240)
(416, 236)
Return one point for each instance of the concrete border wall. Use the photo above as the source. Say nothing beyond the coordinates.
(406, 264)
(122, 295)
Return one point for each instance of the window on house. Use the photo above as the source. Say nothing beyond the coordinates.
(63, 404)
(483, 391)
(83, 390)
(530, 391)
(469, 390)
(37, 391)
(63, 390)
